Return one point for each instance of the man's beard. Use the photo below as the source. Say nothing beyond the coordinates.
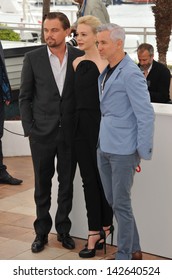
(144, 67)
(53, 44)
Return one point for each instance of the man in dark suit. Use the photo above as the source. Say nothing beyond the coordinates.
(158, 76)
(5, 97)
(47, 110)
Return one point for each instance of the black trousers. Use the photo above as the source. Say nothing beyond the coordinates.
(99, 212)
(43, 156)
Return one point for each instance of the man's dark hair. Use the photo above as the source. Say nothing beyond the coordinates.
(60, 16)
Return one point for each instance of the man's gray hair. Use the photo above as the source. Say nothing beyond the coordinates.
(116, 32)
(146, 47)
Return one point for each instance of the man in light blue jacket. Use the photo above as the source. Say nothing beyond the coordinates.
(126, 133)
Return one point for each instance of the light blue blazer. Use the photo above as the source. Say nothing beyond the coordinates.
(127, 116)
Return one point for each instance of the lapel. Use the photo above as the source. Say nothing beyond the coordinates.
(112, 78)
(46, 68)
(152, 68)
(69, 69)
(108, 83)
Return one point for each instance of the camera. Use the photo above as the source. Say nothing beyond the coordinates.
(73, 41)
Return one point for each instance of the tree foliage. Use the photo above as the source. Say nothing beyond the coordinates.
(8, 34)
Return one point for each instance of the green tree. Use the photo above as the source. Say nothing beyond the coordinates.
(163, 26)
(8, 34)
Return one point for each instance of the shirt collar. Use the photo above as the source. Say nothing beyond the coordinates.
(150, 67)
(50, 53)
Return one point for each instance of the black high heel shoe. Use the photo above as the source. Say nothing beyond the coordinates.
(99, 245)
(111, 231)
(90, 253)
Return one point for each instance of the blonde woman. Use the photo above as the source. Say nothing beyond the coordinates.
(87, 69)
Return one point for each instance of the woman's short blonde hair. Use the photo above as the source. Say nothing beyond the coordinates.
(91, 21)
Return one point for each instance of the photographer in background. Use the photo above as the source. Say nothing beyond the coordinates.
(157, 75)
(89, 7)
(107, 2)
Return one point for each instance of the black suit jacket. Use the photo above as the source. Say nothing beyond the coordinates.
(158, 81)
(42, 108)
(2, 60)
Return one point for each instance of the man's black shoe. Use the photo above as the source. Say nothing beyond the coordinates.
(67, 241)
(38, 243)
(8, 179)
